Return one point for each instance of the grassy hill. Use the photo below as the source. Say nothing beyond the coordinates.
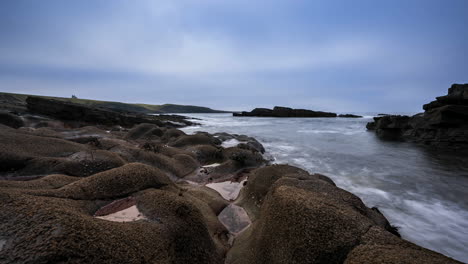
(18, 101)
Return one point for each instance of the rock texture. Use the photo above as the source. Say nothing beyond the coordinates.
(444, 122)
(303, 218)
(93, 115)
(54, 184)
(10, 119)
(62, 188)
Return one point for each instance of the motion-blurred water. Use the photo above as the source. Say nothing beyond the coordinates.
(423, 192)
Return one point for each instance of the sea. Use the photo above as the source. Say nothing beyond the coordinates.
(421, 191)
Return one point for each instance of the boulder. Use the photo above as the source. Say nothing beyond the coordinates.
(307, 219)
(41, 229)
(18, 149)
(379, 247)
(260, 180)
(390, 126)
(11, 120)
(197, 139)
(145, 131)
(246, 142)
(115, 183)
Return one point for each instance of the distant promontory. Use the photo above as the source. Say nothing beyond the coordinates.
(279, 111)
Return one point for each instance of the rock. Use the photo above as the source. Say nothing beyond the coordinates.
(88, 162)
(145, 131)
(17, 150)
(177, 165)
(41, 229)
(139, 197)
(259, 183)
(350, 116)
(443, 124)
(11, 120)
(285, 112)
(265, 112)
(52, 181)
(77, 113)
(379, 247)
(306, 219)
(207, 154)
(114, 183)
(197, 139)
(389, 127)
(245, 142)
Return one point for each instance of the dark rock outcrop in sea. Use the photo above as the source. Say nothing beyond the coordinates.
(279, 111)
(350, 116)
(444, 122)
(153, 194)
(285, 112)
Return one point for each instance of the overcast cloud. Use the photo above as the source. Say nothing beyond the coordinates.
(344, 55)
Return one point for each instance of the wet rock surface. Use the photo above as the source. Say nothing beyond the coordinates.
(153, 194)
(443, 124)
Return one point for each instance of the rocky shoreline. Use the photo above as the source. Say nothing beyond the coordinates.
(87, 185)
(443, 124)
(279, 111)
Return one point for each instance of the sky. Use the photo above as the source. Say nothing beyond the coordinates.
(330, 55)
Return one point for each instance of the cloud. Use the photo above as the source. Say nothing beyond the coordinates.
(247, 53)
(151, 38)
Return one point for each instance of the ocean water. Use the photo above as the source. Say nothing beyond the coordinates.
(422, 192)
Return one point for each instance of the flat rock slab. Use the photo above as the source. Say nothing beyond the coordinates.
(123, 210)
(229, 190)
(234, 218)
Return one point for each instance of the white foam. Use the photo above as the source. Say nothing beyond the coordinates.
(318, 131)
(130, 214)
(211, 165)
(417, 220)
(230, 143)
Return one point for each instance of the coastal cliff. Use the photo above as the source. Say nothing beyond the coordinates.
(78, 188)
(444, 122)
